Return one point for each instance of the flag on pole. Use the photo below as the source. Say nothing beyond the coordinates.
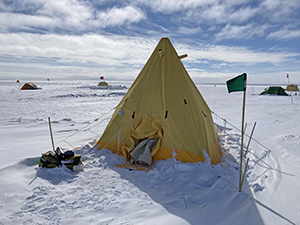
(238, 83)
(288, 77)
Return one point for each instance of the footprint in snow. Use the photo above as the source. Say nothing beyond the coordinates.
(256, 187)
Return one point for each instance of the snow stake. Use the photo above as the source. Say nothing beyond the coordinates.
(51, 134)
(250, 139)
(242, 182)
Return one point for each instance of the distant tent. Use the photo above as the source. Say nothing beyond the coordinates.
(162, 111)
(292, 87)
(274, 90)
(29, 86)
(103, 84)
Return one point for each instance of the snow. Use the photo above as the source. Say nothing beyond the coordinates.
(171, 192)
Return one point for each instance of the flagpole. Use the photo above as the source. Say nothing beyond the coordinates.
(242, 141)
(239, 83)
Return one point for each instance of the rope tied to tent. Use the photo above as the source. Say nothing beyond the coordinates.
(84, 127)
(132, 117)
(267, 166)
(240, 131)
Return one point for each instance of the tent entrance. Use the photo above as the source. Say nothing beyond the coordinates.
(141, 154)
(145, 140)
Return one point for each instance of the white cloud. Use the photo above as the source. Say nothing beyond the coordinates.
(124, 50)
(280, 10)
(220, 14)
(104, 50)
(216, 14)
(171, 6)
(17, 6)
(187, 30)
(68, 15)
(241, 32)
(211, 11)
(241, 55)
(242, 15)
(15, 22)
(284, 34)
(285, 6)
(64, 9)
(119, 16)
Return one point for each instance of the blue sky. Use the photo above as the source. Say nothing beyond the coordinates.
(86, 39)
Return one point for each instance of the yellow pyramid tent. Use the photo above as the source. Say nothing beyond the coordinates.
(292, 87)
(163, 108)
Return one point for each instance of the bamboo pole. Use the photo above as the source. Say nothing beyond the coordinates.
(51, 134)
(250, 139)
(242, 141)
(244, 174)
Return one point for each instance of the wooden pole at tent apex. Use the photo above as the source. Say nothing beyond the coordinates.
(51, 134)
(242, 141)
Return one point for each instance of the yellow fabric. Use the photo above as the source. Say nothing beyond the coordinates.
(164, 85)
(292, 87)
(149, 127)
(102, 83)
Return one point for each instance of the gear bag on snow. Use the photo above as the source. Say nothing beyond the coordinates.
(58, 158)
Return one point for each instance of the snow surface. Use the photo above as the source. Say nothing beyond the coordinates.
(106, 194)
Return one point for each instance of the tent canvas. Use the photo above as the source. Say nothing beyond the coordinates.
(164, 104)
(103, 84)
(29, 86)
(292, 87)
(274, 90)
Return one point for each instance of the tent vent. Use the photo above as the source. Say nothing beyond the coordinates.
(160, 53)
(121, 112)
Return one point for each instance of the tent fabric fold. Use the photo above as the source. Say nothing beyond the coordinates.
(150, 127)
(163, 87)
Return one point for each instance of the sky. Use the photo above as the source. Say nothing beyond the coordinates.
(86, 39)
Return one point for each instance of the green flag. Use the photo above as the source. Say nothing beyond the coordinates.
(238, 83)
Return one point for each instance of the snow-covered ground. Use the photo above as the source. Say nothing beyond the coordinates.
(106, 194)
